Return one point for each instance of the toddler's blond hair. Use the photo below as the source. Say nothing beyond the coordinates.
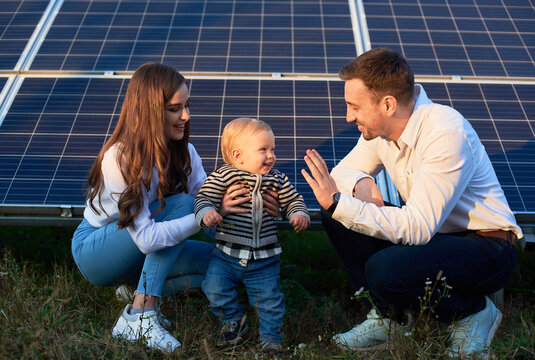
(235, 129)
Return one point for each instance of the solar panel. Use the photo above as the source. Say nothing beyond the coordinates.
(56, 126)
(18, 20)
(479, 38)
(211, 36)
(3, 81)
(502, 115)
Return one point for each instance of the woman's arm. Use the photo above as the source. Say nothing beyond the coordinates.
(150, 235)
(147, 234)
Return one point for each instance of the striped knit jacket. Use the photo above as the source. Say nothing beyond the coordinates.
(255, 228)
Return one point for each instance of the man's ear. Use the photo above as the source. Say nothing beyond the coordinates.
(236, 156)
(389, 105)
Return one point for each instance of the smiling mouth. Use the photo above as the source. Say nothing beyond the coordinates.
(179, 127)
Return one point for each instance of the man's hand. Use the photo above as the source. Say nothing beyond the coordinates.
(229, 201)
(211, 218)
(366, 190)
(321, 182)
(271, 203)
(299, 222)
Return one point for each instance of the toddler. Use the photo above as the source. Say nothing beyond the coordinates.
(247, 249)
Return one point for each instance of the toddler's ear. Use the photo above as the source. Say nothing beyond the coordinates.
(236, 156)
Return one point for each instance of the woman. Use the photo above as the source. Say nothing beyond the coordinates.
(139, 210)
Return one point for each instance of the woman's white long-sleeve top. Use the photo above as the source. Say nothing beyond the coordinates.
(148, 235)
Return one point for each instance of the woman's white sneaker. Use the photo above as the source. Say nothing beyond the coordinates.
(125, 294)
(145, 327)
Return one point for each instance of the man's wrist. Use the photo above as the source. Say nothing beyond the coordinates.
(336, 199)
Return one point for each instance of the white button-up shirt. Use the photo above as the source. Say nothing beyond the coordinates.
(441, 171)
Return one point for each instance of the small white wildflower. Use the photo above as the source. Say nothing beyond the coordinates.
(319, 337)
(443, 278)
(428, 282)
(448, 286)
(408, 333)
(359, 291)
(301, 346)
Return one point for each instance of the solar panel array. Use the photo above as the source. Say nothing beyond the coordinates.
(57, 123)
(215, 36)
(18, 20)
(457, 37)
(504, 118)
(56, 126)
(3, 81)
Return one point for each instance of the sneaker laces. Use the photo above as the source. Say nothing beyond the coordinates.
(154, 329)
(461, 332)
(229, 326)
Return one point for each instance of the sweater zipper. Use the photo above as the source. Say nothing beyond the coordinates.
(257, 209)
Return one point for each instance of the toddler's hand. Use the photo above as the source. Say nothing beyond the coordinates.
(212, 218)
(299, 222)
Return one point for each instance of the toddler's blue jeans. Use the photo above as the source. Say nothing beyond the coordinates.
(396, 275)
(107, 256)
(262, 282)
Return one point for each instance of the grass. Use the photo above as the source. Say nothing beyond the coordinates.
(48, 311)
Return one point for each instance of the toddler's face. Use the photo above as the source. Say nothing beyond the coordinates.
(257, 152)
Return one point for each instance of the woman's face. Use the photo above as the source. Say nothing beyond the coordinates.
(177, 114)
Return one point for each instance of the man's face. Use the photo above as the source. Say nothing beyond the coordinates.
(364, 110)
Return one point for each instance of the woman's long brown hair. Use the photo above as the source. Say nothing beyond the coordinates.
(142, 143)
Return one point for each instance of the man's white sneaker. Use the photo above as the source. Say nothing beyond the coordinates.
(473, 334)
(145, 327)
(372, 334)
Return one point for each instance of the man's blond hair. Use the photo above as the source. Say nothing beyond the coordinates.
(234, 130)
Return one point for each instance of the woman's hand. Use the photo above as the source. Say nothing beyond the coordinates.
(271, 203)
(299, 222)
(230, 201)
(211, 218)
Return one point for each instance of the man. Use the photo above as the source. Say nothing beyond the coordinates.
(455, 222)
